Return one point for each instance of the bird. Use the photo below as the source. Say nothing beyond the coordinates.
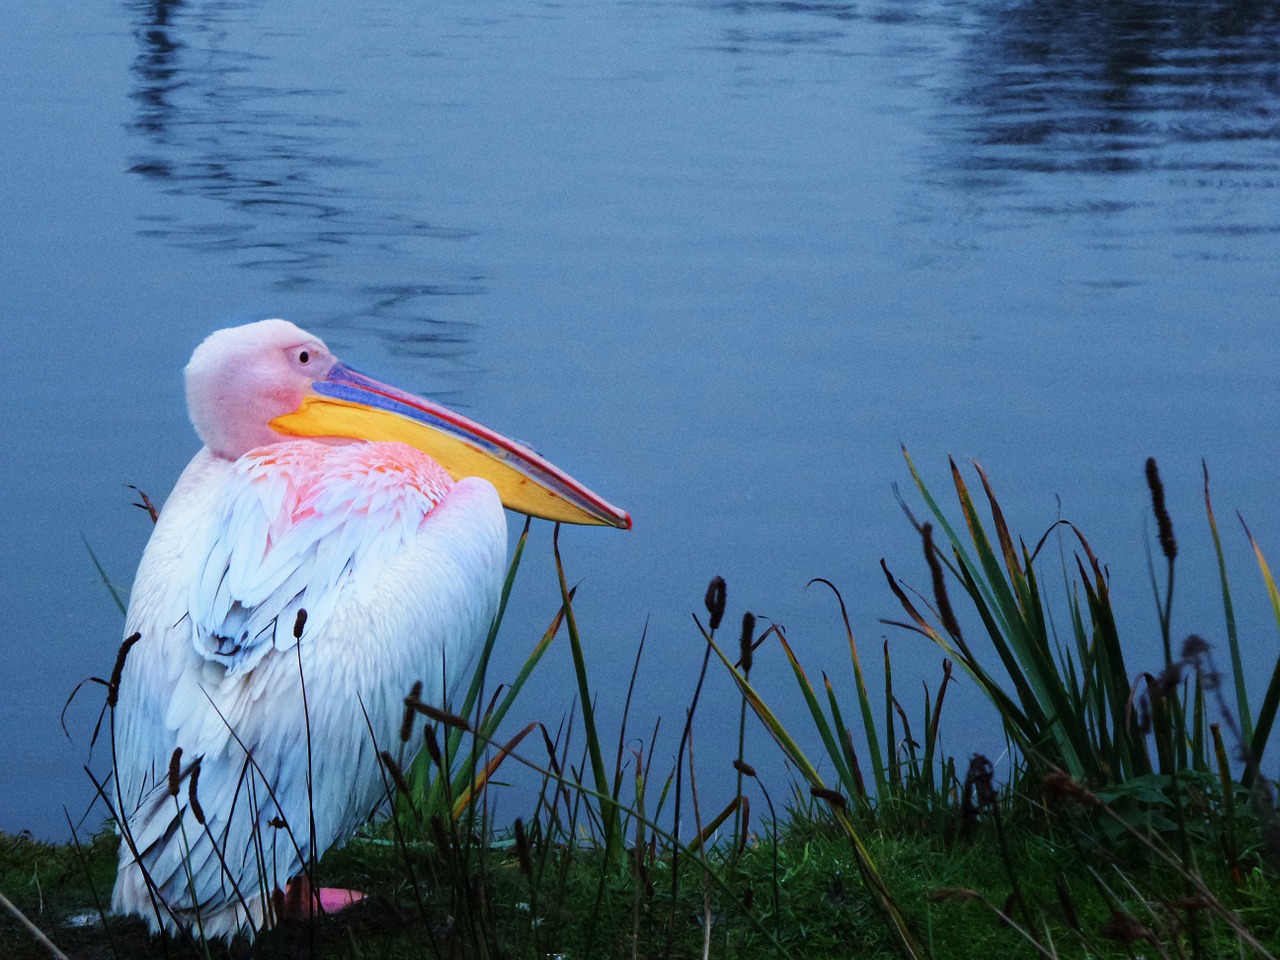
(335, 540)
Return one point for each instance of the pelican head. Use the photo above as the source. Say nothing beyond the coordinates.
(271, 381)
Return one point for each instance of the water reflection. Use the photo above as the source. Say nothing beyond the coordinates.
(1028, 91)
(276, 162)
(1115, 87)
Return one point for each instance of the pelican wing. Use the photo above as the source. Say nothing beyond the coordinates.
(399, 572)
(297, 522)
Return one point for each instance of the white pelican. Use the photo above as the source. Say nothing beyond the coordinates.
(318, 489)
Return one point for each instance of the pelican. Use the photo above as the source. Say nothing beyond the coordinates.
(336, 538)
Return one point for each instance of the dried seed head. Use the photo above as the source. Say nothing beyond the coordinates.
(1059, 786)
(1194, 647)
(175, 772)
(113, 687)
(939, 583)
(433, 747)
(1068, 905)
(438, 715)
(406, 724)
(1124, 928)
(715, 601)
(1164, 526)
(746, 644)
(833, 797)
(978, 789)
(441, 837)
(193, 797)
(397, 775)
(744, 768)
(299, 623)
(522, 850)
(958, 894)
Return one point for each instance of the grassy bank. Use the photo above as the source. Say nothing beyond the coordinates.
(1138, 820)
(1075, 901)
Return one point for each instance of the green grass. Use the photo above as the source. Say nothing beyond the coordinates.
(822, 910)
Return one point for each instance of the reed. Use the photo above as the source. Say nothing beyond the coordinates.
(1126, 827)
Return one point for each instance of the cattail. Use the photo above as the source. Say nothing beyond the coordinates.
(748, 898)
(645, 880)
(406, 724)
(833, 797)
(979, 780)
(522, 850)
(113, 688)
(858, 782)
(433, 747)
(715, 601)
(744, 768)
(438, 715)
(1168, 545)
(192, 795)
(175, 772)
(1194, 647)
(954, 895)
(1011, 903)
(397, 775)
(441, 836)
(1124, 928)
(746, 647)
(299, 622)
(939, 583)
(1059, 785)
(1068, 905)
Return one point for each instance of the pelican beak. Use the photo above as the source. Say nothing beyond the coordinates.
(349, 404)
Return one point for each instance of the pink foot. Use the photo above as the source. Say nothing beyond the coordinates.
(301, 900)
(333, 899)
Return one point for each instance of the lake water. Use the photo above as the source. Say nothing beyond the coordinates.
(717, 259)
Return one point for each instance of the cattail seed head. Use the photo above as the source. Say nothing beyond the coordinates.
(438, 715)
(1124, 928)
(833, 797)
(744, 768)
(175, 772)
(1068, 905)
(1059, 785)
(397, 775)
(193, 797)
(1194, 647)
(441, 837)
(299, 623)
(433, 747)
(714, 600)
(522, 850)
(113, 687)
(1164, 526)
(406, 724)
(939, 583)
(746, 648)
(979, 789)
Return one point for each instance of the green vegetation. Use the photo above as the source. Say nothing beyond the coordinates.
(1138, 821)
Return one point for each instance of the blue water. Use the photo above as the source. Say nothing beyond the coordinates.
(718, 260)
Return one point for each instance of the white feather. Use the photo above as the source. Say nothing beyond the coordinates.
(394, 584)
